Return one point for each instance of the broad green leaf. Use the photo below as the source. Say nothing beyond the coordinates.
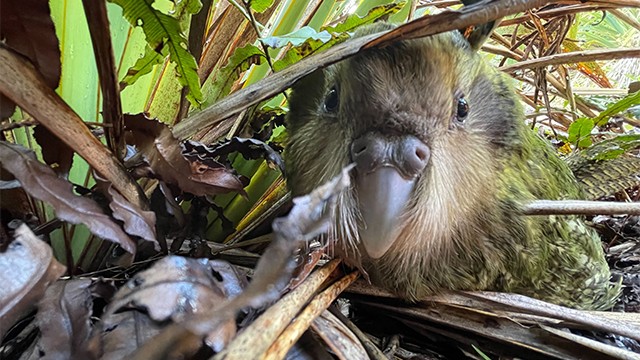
(297, 37)
(164, 32)
(143, 66)
(580, 132)
(354, 21)
(618, 107)
(219, 84)
(260, 5)
(165, 102)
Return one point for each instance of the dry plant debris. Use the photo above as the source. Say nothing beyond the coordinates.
(269, 302)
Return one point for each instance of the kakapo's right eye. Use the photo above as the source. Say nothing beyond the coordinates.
(331, 101)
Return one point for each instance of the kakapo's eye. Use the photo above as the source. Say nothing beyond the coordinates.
(331, 101)
(462, 109)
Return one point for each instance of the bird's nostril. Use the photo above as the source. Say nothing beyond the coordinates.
(421, 154)
(359, 148)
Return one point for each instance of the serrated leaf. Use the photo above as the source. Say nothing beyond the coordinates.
(163, 154)
(260, 5)
(163, 31)
(354, 21)
(143, 66)
(219, 84)
(297, 37)
(618, 107)
(579, 130)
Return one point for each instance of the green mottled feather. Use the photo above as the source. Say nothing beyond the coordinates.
(607, 177)
(560, 254)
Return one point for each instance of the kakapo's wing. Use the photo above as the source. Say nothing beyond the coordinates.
(607, 168)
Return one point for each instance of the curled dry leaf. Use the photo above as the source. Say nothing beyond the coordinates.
(27, 268)
(136, 221)
(64, 320)
(43, 184)
(248, 147)
(164, 154)
(173, 288)
(309, 217)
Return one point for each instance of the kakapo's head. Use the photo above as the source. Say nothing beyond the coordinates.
(422, 120)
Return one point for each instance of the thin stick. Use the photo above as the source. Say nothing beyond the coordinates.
(573, 57)
(580, 207)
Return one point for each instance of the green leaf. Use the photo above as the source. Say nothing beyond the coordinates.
(297, 37)
(482, 354)
(143, 66)
(310, 46)
(309, 41)
(354, 21)
(618, 107)
(163, 31)
(260, 5)
(219, 85)
(580, 132)
(184, 9)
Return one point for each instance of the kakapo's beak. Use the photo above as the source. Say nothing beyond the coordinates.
(387, 170)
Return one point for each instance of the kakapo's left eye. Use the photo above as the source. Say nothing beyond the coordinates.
(462, 110)
(331, 101)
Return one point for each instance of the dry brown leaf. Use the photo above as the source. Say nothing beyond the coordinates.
(136, 221)
(26, 27)
(170, 290)
(24, 85)
(164, 154)
(43, 184)
(175, 286)
(26, 270)
(125, 332)
(309, 217)
(54, 151)
(64, 320)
